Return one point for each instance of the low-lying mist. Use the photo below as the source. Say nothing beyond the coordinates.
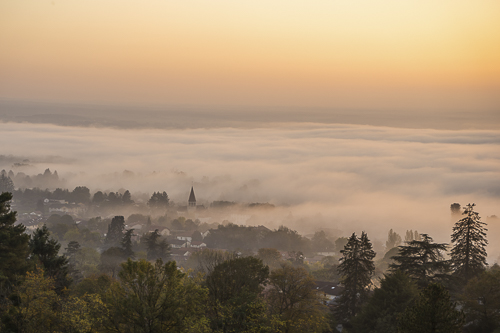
(346, 178)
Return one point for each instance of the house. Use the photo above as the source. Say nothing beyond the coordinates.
(186, 236)
(198, 244)
(180, 254)
(177, 243)
(330, 290)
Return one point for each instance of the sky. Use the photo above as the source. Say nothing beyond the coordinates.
(387, 54)
(356, 115)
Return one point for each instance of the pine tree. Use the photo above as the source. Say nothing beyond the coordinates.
(127, 244)
(422, 260)
(13, 243)
(356, 269)
(152, 245)
(468, 255)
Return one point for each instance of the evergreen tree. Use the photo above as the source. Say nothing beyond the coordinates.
(468, 255)
(356, 269)
(381, 312)
(432, 312)
(115, 231)
(159, 200)
(422, 260)
(45, 249)
(127, 244)
(14, 247)
(152, 245)
(73, 253)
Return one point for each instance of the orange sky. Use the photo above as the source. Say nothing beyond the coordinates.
(371, 54)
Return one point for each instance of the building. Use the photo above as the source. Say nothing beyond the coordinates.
(191, 202)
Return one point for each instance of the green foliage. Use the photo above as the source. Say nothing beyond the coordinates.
(422, 260)
(380, 313)
(468, 255)
(45, 250)
(481, 300)
(356, 268)
(432, 312)
(115, 231)
(155, 298)
(111, 260)
(294, 300)
(127, 244)
(234, 287)
(14, 246)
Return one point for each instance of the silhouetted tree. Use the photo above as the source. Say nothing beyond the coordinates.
(159, 200)
(6, 184)
(468, 255)
(432, 312)
(115, 231)
(45, 249)
(422, 260)
(127, 244)
(356, 268)
(14, 246)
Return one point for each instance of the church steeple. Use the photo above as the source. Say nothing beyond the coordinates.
(192, 198)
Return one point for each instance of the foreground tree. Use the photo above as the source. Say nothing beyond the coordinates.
(468, 255)
(13, 244)
(155, 298)
(293, 298)
(422, 260)
(234, 300)
(114, 235)
(356, 268)
(45, 250)
(432, 312)
(481, 299)
(381, 312)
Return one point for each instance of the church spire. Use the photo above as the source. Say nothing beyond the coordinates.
(192, 198)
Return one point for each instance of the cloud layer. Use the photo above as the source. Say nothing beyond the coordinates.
(349, 177)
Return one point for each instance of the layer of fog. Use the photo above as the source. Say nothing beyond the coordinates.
(192, 116)
(343, 177)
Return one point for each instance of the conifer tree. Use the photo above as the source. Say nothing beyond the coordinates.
(127, 244)
(115, 231)
(13, 243)
(356, 269)
(468, 255)
(422, 260)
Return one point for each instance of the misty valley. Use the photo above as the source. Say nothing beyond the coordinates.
(76, 260)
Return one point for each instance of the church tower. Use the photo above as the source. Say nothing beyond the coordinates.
(191, 201)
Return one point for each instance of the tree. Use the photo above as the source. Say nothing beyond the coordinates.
(381, 312)
(411, 236)
(421, 260)
(432, 312)
(159, 200)
(321, 243)
(155, 298)
(234, 287)
(72, 253)
(270, 257)
(356, 268)
(115, 231)
(127, 244)
(127, 198)
(293, 298)
(45, 249)
(481, 300)
(14, 243)
(393, 240)
(80, 194)
(34, 306)
(6, 184)
(468, 255)
(152, 245)
(111, 260)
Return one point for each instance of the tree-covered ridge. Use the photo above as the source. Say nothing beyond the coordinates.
(261, 281)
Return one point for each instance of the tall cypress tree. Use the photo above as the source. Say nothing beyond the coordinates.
(468, 255)
(356, 269)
